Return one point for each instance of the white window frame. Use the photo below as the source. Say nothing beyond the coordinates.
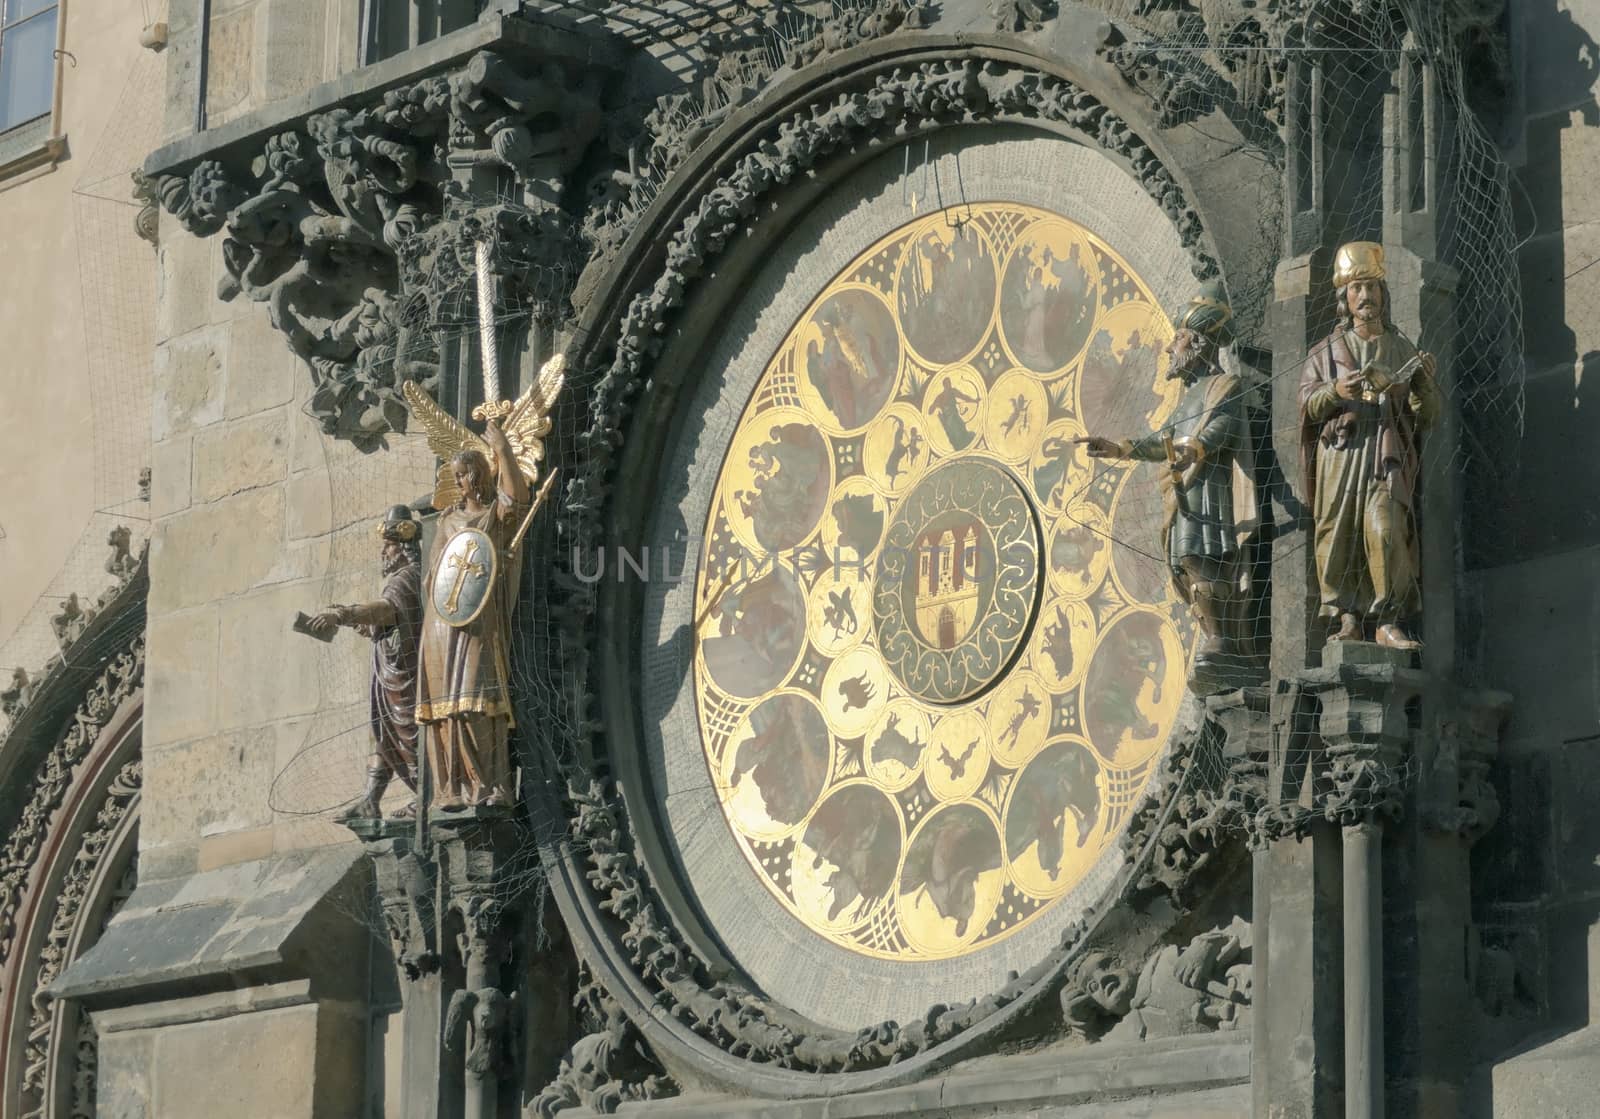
(52, 144)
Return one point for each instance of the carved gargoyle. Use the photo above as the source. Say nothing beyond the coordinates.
(70, 623)
(482, 1021)
(606, 1066)
(121, 561)
(1201, 988)
(16, 697)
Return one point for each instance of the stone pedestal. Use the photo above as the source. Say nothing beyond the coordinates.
(453, 912)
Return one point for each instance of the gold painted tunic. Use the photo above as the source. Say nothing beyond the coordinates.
(464, 681)
(1361, 465)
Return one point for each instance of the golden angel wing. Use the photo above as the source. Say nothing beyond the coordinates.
(446, 436)
(529, 421)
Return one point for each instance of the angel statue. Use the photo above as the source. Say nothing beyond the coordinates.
(485, 502)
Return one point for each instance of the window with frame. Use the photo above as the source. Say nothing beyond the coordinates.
(27, 60)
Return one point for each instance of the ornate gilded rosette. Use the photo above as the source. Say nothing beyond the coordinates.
(930, 683)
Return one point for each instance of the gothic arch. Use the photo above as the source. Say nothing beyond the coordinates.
(70, 804)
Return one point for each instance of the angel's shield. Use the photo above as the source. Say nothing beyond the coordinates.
(464, 577)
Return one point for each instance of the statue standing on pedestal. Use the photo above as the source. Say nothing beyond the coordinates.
(483, 494)
(393, 622)
(1366, 395)
(1209, 493)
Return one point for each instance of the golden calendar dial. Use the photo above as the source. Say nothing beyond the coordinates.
(928, 692)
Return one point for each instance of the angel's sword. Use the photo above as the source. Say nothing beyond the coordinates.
(487, 350)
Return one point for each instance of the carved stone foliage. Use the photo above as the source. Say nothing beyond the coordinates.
(1463, 800)
(1023, 15)
(146, 221)
(122, 677)
(850, 25)
(887, 105)
(356, 228)
(70, 906)
(1232, 67)
(649, 144)
(406, 895)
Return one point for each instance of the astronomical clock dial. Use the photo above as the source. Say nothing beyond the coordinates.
(935, 728)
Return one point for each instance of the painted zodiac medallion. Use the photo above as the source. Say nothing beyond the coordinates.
(931, 685)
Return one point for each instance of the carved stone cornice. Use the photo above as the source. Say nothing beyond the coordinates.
(351, 223)
(406, 896)
(1365, 731)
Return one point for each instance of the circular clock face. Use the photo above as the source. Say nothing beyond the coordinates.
(928, 692)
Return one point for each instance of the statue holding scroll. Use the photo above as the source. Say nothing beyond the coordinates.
(485, 502)
(1366, 395)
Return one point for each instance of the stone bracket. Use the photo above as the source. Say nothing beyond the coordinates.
(353, 219)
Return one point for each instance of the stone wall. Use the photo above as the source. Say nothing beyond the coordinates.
(257, 515)
(1532, 553)
(54, 422)
(257, 732)
(260, 51)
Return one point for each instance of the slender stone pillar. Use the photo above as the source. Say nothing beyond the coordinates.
(1363, 970)
(473, 851)
(407, 893)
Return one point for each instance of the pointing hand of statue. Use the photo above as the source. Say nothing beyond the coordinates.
(1349, 386)
(1429, 364)
(1099, 446)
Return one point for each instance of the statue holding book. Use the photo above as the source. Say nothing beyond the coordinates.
(1366, 396)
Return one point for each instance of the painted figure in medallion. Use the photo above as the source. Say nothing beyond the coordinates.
(1208, 492)
(484, 496)
(393, 622)
(1366, 396)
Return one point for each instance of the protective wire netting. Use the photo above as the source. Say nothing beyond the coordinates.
(727, 51)
(1331, 453)
(116, 292)
(332, 760)
(1381, 139)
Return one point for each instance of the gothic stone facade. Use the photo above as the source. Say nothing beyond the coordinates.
(1345, 879)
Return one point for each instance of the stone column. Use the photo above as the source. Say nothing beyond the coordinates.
(1297, 1061)
(407, 893)
(1363, 970)
(1363, 693)
(474, 850)
(1422, 289)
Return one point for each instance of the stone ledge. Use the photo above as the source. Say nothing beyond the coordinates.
(1187, 1076)
(501, 32)
(204, 1008)
(277, 919)
(1552, 1079)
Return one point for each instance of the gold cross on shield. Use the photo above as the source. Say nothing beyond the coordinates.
(463, 566)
